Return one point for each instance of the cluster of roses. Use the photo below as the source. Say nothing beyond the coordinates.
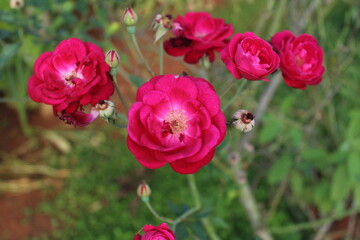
(175, 119)
(198, 35)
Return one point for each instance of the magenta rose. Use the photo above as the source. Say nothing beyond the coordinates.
(175, 120)
(161, 232)
(74, 75)
(301, 59)
(198, 34)
(248, 56)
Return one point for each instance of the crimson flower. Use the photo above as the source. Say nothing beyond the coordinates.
(198, 34)
(250, 57)
(175, 120)
(161, 232)
(301, 59)
(74, 75)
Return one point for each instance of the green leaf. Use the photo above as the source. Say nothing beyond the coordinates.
(317, 156)
(181, 231)
(340, 184)
(218, 222)
(270, 131)
(353, 165)
(353, 131)
(198, 229)
(296, 183)
(357, 196)
(8, 52)
(279, 169)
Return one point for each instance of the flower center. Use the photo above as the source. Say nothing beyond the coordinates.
(71, 76)
(175, 123)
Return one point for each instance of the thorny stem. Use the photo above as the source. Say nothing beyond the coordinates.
(152, 210)
(142, 58)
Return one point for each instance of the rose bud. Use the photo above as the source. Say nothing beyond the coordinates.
(144, 191)
(129, 17)
(106, 109)
(112, 58)
(243, 120)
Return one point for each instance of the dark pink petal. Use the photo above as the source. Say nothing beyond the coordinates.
(144, 156)
(80, 119)
(281, 38)
(184, 167)
(73, 45)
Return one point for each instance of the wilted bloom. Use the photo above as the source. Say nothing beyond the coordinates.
(250, 57)
(175, 120)
(129, 17)
(161, 25)
(161, 232)
(112, 58)
(74, 75)
(144, 191)
(243, 120)
(301, 59)
(106, 109)
(197, 35)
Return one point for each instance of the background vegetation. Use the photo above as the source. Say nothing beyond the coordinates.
(303, 159)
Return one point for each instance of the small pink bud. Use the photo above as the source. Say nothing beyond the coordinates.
(243, 120)
(112, 58)
(129, 17)
(144, 191)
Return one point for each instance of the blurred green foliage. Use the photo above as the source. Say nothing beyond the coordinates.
(309, 139)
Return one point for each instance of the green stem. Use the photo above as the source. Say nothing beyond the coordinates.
(117, 88)
(313, 224)
(152, 210)
(142, 58)
(242, 85)
(195, 193)
(161, 56)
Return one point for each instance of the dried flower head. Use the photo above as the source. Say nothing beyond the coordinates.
(243, 120)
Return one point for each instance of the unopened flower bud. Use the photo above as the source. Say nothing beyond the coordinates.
(112, 58)
(129, 17)
(144, 191)
(106, 109)
(243, 120)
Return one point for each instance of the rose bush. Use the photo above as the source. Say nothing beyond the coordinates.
(248, 56)
(301, 59)
(75, 74)
(198, 34)
(161, 232)
(175, 120)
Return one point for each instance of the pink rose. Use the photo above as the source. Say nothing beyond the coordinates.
(75, 74)
(248, 56)
(301, 59)
(161, 232)
(198, 34)
(175, 120)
